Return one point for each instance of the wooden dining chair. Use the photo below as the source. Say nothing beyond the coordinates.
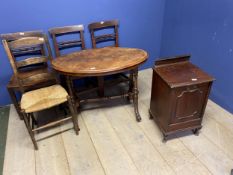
(42, 98)
(13, 86)
(68, 43)
(105, 32)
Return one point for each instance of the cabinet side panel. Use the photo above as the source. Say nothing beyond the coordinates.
(160, 102)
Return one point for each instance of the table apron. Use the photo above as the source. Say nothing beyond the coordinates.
(98, 74)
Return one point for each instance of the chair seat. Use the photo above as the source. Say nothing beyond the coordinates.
(43, 98)
(28, 81)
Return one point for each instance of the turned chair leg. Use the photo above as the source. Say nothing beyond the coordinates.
(26, 120)
(100, 86)
(15, 102)
(74, 115)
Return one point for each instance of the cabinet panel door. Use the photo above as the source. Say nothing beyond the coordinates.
(189, 102)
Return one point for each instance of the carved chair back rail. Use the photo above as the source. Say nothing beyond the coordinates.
(67, 30)
(27, 50)
(96, 26)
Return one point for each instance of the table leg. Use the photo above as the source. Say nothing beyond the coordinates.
(70, 86)
(130, 91)
(135, 94)
(15, 102)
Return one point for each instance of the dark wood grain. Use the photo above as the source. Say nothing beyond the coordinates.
(179, 95)
(28, 65)
(26, 73)
(172, 60)
(105, 36)
(18, 35)
(67, 30)
(32, 71)
(96, 26)
(28, 81)
(102, 61)
(26, 42)
(189, 74)
(27, 50)
(66, 43)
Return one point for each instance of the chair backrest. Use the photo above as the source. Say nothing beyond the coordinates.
(96, 26)
(20, 52)
(67, 30)
(25, 64)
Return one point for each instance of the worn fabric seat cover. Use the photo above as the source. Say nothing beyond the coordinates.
(43, 98)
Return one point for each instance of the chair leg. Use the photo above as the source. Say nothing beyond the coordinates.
(34, 119)
(26, 120)
(74, 115)
(15, 102)
(100, 86)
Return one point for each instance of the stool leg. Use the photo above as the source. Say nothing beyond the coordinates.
(26, 120)
(15, 102)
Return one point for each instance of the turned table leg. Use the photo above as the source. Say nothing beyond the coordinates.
(74, 99)
(73, 102)
(135, 94)
(69, 84)
(130, 91)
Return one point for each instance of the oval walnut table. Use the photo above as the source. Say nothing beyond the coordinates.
(101, 62)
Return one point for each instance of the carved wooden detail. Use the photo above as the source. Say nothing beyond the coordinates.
(185, 108)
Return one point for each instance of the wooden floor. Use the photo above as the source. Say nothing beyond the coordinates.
(112, 142)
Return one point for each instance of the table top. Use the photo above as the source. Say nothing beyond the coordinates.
(101, 61)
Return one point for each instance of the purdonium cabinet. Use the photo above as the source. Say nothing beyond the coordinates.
(179, 95)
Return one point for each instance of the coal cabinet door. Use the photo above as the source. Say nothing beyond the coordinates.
(189, 103)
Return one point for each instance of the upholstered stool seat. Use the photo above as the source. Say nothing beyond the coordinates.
(43, 98)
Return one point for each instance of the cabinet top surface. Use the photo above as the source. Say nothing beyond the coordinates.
(182, 74)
